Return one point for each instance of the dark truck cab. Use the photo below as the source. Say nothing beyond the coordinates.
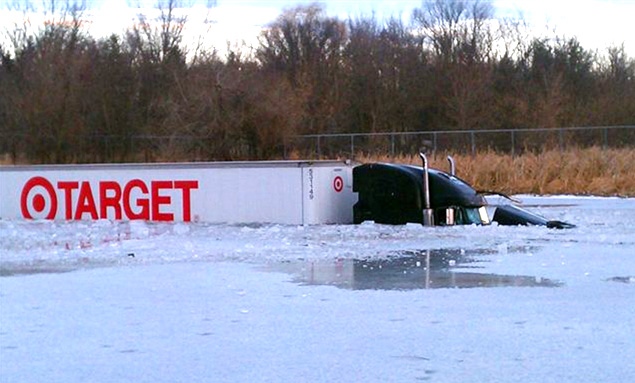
(400, 194)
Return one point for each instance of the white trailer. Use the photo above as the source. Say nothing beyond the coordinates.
(285, 192)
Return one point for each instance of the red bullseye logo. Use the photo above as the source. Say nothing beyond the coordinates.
(338, 184)
(35, 194)
(39, 203)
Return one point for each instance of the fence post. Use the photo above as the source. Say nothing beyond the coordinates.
(319, 150)
(392, 145)
(605, 138)
(352, 145)
(513, 144)
(473, 143)
(434, 142)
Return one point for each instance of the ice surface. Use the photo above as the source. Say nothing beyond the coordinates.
(146, 302)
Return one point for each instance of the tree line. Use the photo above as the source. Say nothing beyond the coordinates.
(147, 95)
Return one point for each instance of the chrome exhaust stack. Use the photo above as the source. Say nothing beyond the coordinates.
(450, 211)
(428, 213)
(452, 166)
(449, 216)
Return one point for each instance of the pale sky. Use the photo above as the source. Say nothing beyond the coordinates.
(598, 24)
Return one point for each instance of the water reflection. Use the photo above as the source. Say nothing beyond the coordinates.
(429, 269)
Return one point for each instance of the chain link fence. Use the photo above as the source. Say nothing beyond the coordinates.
(147, 148)
(509, 141)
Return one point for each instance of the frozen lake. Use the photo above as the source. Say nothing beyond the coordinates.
(144, 302)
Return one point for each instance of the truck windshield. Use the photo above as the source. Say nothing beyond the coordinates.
(469, 216)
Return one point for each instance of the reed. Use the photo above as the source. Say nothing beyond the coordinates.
(589, 171)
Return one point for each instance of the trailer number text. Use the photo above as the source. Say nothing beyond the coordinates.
(134, 200)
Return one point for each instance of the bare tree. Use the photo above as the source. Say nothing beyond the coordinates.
(456, 30)
(45, 84)
(159, 39)
(615, 103)
(307, 46)
(461, 38)
(385, 71)
(301, 38)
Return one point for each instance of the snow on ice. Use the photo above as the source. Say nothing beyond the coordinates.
(157, 302)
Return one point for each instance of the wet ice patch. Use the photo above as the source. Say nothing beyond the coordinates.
(622, 279)
(407, 270)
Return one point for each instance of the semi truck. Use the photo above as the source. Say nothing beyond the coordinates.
(282, 192)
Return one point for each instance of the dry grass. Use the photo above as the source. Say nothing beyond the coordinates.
(5, 159)
(591, 171)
